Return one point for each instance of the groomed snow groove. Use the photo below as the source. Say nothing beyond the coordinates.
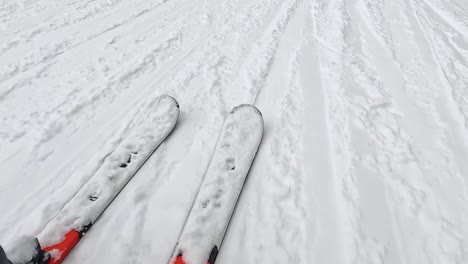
(365, 103)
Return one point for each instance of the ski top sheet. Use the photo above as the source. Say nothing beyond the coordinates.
(204, 229)
(148, 131)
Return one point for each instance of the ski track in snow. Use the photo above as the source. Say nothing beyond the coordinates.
(365, 106)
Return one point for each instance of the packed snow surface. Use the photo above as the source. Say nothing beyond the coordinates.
(365, 103)
(22, 249)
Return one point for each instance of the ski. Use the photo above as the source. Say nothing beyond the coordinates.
(148, 131)
(206, 224)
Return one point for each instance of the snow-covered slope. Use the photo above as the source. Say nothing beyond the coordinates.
(365, 103)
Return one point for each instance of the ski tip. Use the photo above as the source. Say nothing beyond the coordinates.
(165, 96)
(244, 106)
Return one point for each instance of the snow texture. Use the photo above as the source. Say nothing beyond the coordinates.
(22, 249)
(216, 199)
(365, 104)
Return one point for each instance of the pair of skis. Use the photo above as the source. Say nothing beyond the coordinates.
(203, 232)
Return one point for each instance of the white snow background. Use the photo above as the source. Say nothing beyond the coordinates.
(364, 157)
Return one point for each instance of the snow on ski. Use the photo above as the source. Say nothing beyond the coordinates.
(149, 130)
(204, 229)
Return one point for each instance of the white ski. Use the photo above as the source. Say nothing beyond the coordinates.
(149, 130)
(209, 217)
